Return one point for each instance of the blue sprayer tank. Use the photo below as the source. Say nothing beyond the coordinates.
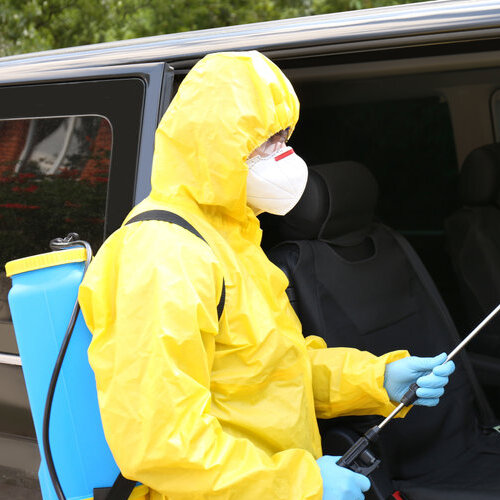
(43, 294)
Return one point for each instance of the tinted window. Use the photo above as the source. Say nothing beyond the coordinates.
(53, 180)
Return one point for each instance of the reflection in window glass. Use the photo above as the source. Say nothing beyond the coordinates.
(495, 104)
(53, 180)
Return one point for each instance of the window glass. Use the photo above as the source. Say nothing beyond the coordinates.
(408, 144)
(495, 105)
(53, 180)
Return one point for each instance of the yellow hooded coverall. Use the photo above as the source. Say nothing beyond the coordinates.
(192, 407)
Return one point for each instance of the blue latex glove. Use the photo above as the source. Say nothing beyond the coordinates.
(340, 483)
(429, 373)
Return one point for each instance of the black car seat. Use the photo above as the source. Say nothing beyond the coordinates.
(357, 283)
(473, 238)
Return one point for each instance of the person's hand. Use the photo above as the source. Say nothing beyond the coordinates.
(429, 373)
(340, 483)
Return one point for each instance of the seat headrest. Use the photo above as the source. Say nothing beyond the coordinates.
(305, 220)
(479, 182)
(337, 205)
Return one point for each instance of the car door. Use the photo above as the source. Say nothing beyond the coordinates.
(75, 156)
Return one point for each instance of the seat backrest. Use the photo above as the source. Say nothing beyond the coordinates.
(473, 239)
(357, 283)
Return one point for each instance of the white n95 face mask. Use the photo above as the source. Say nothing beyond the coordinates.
(276, 183)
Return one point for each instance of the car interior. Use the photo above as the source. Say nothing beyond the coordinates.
(394, 244)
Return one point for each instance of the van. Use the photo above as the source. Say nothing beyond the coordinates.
(408, 91)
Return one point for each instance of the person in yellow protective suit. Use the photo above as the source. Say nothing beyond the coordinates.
(194, 407)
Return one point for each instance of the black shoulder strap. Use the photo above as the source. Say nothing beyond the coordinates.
(121, 490)
(166, 216)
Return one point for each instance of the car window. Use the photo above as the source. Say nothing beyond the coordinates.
(53, 180)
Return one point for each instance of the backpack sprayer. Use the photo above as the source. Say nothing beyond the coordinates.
(358, 457)
(59, 380)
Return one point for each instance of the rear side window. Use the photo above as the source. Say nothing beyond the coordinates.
(53, 180)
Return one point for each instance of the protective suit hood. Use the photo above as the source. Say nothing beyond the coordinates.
(227, 105)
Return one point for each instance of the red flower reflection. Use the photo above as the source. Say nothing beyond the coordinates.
(19, 205)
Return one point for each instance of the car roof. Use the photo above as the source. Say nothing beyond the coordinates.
(401, 24)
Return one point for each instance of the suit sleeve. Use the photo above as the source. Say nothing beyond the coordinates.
(151, 306)
(348, 381)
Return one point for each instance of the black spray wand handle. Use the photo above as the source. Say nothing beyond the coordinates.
(357, 456)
